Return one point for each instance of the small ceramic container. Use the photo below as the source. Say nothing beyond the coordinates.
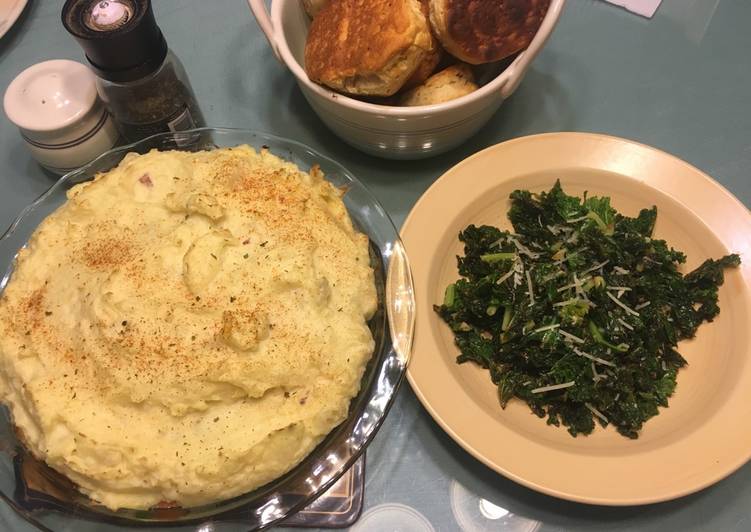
(55, 106)
(390, 131)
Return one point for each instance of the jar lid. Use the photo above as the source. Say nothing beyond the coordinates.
(50, 95)
(393, 516)
(121, 38)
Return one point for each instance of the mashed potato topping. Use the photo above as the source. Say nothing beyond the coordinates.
(187, 327)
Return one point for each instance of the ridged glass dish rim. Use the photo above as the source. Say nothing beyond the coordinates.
(339, 450)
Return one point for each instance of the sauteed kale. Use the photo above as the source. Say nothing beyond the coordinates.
(579, 311)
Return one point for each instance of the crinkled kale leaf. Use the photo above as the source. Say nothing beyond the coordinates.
(579, 311)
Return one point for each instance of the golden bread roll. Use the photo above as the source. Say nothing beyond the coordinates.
(425, 69)
(367, 47)
(450, 83)
(428, 65)
(312, 7)
(481, 31)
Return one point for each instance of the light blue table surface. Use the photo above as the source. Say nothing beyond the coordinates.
(680, 82)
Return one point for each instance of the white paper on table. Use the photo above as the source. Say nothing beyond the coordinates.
(645, 8)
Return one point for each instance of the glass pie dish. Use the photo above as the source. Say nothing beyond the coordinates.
(48, 500)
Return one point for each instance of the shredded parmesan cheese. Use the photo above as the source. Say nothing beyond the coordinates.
(523, 249)
(518, 270)
(546, 328)
(595, 267)
(596, 412)
(498, 243)
(529, 287)
(580, 290)
(595, 376)
(621, 304)
(553, 387)
(578, 287)
(571, 337)
(625, 324)
(568, 302)
(505, 276)
(592, 357)
(572, 285)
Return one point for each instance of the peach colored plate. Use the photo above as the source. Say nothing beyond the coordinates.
(703, 436)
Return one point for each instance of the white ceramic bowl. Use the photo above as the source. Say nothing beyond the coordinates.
(389, 131)
(55, 106)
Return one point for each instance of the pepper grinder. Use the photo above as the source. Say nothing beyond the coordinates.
(139, 79)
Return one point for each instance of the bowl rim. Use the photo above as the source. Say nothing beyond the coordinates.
(388, 371)
(510, 76)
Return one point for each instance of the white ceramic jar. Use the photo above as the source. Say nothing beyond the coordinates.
(389, 131)
(63, 122)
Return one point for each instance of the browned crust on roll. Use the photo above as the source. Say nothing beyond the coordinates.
(367, 47)
(482, 31)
